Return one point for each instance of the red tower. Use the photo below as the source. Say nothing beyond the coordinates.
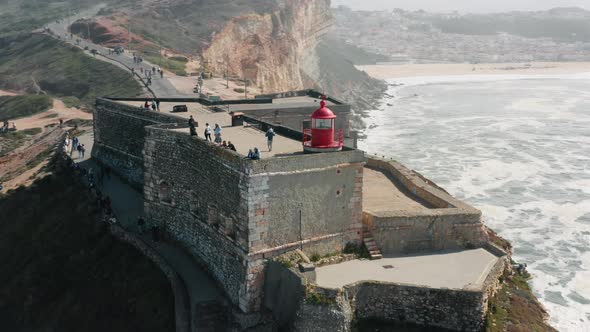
(322, 132)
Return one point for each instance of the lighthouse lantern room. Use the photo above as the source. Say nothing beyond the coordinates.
(322, 132)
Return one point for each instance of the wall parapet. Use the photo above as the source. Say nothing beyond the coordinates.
(450, 225)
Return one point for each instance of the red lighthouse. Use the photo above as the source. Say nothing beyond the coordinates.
(322, 132)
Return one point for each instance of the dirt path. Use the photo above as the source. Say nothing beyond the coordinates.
(25, 164)
(52, 116)
(8, 93)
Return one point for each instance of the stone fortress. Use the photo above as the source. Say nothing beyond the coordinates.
(431, 262)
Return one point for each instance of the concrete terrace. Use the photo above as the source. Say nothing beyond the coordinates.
(466, 270)
(380, 193)
(243, 137)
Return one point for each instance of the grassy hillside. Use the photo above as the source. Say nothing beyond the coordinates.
(36, 62)
(12, 107)
(61, 270)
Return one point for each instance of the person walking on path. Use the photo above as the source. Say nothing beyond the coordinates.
(74, 145)
(207, 132)
(192, 124)
(217, 132)
(270, 134)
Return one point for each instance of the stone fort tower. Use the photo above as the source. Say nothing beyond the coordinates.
(229, 212)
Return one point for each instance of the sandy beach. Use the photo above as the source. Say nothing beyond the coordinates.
(532, 68)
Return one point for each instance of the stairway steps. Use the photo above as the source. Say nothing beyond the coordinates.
(371, 245)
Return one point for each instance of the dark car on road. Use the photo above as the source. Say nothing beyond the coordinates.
(179, 109)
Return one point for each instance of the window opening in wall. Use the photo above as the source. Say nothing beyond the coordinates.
(164, 193)
(213, 216)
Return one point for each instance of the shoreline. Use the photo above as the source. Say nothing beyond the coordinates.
(385, 72)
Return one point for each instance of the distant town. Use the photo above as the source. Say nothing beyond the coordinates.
(422, 37)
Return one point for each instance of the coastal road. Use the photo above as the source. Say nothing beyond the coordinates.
(160, 87)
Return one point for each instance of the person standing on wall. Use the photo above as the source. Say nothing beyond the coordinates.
(270, 134)
(192, 125)
(217, 132)
(207, 132)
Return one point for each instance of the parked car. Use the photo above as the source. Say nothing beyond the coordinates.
(179, 109)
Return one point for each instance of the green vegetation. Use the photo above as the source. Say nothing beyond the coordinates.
(36, 62)
(175, 66)
(12, 107)
(515, 308)
(63, 271)
(312, 296)
(12, 140)
(360, 251)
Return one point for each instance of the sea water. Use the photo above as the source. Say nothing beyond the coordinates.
(517, 148)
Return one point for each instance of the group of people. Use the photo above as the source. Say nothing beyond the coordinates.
(154, 106)
(253, 154)
(6, 126)
(192, 124)
(72, 144)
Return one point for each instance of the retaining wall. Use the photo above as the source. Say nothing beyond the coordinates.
(453, 309)
(450, 225)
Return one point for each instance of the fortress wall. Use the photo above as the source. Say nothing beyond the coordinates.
(419, 186)
(458, 310)
(233, 213)
(409, 232)
(311, 204)
(197, 194)
(119, 136)
(451, 225)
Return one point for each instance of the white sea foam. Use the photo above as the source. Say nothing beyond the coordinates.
(516, 147)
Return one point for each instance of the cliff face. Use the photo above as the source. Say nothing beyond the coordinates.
(269, 49)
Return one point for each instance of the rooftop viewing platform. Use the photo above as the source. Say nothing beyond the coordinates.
(244, 137)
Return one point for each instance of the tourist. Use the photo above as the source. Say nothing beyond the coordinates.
(67, 144)
(224, 145)
(74, 145)
(154, 105)
(61, 123)
(231, 146)
(158, 104)
(192, 125)
(146, 105)
(270, 134)
(254, 155)
(207, 132)
(217, 132)
(83, 149)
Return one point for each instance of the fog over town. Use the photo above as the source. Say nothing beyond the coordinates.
(471, 6)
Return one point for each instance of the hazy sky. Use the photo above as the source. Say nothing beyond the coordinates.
(474, 6)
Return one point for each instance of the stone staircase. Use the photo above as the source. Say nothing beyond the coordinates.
(369, 242)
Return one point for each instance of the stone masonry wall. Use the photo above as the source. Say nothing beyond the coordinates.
(119, 136)
(199, 200)
(451, 225)
(458, 310)
(230, 212)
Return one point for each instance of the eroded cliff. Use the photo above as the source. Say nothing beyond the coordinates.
(269, 49)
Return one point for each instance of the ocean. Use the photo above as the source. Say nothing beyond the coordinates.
(515, 147)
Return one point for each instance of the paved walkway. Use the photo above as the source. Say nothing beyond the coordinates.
(127, 204)
(160, 86)
(466, 269)
(381, 194)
